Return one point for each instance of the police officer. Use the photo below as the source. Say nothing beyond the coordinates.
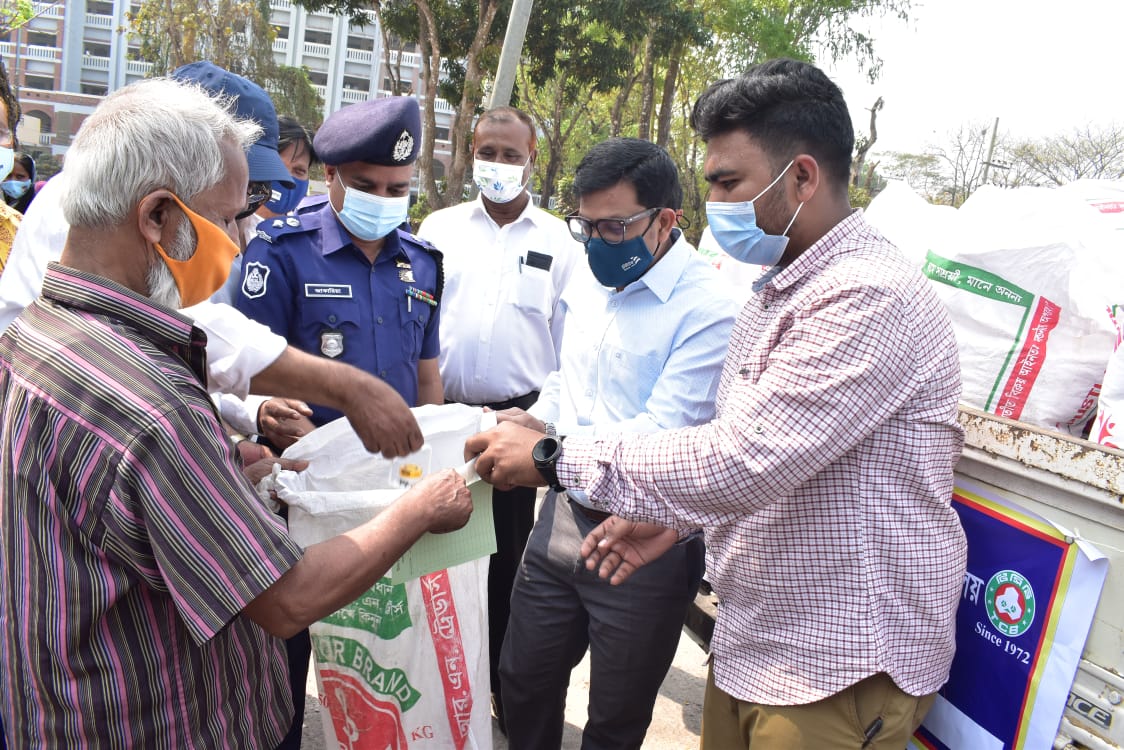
(342, 278)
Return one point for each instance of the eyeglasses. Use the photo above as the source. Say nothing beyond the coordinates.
(256, 194)
(610, 230)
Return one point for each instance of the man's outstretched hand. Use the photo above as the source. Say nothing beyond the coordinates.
(618, 548)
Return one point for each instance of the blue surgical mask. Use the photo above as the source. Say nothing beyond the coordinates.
(618, 265)
(734, 226)
(284, 199)
(15, 188)
(371, 217)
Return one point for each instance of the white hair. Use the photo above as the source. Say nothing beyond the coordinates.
(154, 134)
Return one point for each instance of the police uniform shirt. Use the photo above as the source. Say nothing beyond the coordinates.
(305, 279)
(502, 327)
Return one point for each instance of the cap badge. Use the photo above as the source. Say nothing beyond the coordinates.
(403, 146)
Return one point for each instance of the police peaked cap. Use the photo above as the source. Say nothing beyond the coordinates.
(378, 131)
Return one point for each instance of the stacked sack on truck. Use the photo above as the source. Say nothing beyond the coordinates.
(1030, 277)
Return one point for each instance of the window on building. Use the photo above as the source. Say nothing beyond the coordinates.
(282, 31)
(96, 50)
(363, 43)
(100, 8)
(42, 38)
(97, 89)
(357, 83)
(317, 37)
(44, 83)
(318, 79)
(404, 87)
(396, 43)
(441, 134)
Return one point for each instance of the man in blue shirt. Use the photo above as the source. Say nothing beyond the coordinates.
(647, 324)
(341, 279)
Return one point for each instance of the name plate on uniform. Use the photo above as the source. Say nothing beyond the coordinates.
(332, 291)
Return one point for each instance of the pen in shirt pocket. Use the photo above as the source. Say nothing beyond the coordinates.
(520, 264)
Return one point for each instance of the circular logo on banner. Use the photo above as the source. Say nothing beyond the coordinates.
(1010, 603)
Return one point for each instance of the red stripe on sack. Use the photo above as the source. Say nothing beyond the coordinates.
(441, 612)
(1031, 359)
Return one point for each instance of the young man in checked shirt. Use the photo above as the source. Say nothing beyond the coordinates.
(824, 480)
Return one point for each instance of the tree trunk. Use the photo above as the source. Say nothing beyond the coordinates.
(667, 102)
(647, 90)
(431, 68)
(471, 96)
(863, 146)
(555, 141)
(616, 115)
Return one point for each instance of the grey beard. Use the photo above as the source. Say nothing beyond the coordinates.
(162, 287)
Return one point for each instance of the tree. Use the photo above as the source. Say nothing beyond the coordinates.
(1086, 152)
(293, 95)
(753, 30)
(233, 34)
(15, 14)
(439, 26)
(962, 159)
(863, 144)
(922, 172)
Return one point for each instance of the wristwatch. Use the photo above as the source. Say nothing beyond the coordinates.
(545, 455)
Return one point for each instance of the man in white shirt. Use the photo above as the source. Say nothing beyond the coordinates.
(647, 325)
(506, 263)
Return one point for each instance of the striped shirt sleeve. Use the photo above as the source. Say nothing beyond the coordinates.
(182, 515)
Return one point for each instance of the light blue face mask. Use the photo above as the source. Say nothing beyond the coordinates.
(371, 217)
(734, 226)
(15, 188)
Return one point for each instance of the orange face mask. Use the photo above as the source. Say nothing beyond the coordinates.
(203, 273)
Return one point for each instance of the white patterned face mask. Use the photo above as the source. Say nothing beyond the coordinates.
(499, 183)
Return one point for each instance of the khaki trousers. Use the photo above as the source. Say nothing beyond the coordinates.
(873, 711)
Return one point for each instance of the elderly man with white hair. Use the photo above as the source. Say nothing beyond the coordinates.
(144, 587)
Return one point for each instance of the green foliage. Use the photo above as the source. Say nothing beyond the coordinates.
(754, 30)
(292, 94)
(233, 34)
(860, 196)
(419, 211)
(14, 15)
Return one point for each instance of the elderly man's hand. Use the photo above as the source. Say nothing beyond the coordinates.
(504, 456)
(259, 470)
(284, 421)
(618, 548)
(444, 499)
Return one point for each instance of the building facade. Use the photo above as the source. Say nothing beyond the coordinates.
(73, 53)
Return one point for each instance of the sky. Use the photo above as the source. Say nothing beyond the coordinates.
(1042, 68)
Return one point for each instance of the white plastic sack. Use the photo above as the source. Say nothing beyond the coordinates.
(406, 665)
(1027, 276)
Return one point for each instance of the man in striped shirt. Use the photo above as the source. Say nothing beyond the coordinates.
(824, 481)
(144, 589)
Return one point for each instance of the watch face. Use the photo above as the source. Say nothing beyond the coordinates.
(546, 451)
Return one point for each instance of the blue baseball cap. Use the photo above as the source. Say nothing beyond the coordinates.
(250, 103)
(378, 131)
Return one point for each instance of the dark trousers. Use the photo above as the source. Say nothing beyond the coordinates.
(513, 515)
(559, 609)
